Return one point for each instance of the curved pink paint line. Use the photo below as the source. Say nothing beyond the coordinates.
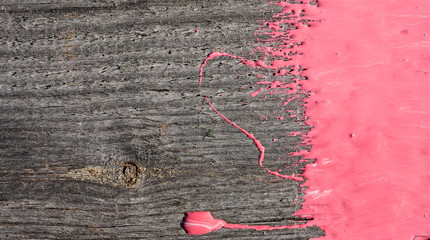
(261, 149)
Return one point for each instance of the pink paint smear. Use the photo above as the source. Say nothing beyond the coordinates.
(368, 75)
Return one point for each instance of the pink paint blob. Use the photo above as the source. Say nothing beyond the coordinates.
(197, 223)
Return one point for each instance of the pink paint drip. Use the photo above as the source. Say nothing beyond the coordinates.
(197, 223)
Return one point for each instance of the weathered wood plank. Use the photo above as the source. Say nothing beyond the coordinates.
(104, 133)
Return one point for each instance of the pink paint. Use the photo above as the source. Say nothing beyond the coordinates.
(260, 147)
(197, 223)
(292, 177)
(368, 63)
(300, 153)
(294, 133)
(368, 74)
(203, 222)
(288, 100)
(255, 93)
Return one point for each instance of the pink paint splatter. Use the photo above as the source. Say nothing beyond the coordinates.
(203, 222)
(368, 68)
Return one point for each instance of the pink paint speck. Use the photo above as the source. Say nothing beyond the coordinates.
(255, 93)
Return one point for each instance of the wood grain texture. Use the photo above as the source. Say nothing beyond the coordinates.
(105, 134)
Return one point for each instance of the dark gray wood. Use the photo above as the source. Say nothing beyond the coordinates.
(105, 134)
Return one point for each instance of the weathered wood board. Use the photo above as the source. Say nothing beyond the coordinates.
(104, 131)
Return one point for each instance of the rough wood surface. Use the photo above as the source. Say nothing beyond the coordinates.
(105, 134)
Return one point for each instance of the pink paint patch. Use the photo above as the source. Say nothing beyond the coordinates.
(368, 76)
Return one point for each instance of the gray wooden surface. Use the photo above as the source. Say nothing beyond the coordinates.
(105, 134)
